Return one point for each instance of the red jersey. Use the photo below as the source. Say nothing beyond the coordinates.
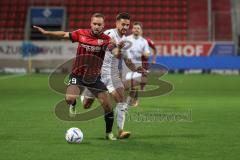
(90, 52)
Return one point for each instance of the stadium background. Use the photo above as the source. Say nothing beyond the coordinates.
(197, 40)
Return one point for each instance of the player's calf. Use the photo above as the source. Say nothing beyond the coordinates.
(109, 115)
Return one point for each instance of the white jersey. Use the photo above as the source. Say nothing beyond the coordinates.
(138, 47)
(110, 63)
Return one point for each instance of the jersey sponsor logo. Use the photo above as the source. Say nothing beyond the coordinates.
(91, 48)
(83, 38)
(100, 41)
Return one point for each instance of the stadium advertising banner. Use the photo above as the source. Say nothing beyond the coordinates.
(43, 50)
(38, 50)
(191, 49)
(46, 16)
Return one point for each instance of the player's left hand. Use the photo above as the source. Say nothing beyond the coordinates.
(153, 61)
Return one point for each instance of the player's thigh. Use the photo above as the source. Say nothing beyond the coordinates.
(118, 94)
(115, 87)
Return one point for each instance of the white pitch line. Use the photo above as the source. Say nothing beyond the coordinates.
(11, 76)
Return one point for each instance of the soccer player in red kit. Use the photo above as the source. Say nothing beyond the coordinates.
(87, 65)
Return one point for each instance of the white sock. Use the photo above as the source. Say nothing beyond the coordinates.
(82, 98)
(70, 109)
(121, 108)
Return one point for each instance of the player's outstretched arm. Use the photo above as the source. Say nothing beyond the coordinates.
(57, 34)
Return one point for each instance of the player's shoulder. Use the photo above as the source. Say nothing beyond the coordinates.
(105, 36)
(82, 31)
(143, 40)
(110, 32)
(129, 37)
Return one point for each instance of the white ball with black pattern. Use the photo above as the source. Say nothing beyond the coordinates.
(74, 135)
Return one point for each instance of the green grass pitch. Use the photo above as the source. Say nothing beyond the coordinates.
(30, 130)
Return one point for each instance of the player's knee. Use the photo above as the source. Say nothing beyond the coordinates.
(118, 95)
(107, 106)
(70, 99)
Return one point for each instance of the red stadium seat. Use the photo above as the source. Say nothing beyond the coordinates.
(55, 3)
(1, 36)
(132, 3)
(155, 15)
(3, 23)
(11, 23)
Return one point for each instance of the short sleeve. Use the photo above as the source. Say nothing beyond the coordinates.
(74, 36)
(109, 33)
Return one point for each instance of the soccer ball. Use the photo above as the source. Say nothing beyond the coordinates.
(74, 135)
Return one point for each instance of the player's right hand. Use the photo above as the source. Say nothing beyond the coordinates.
(121, 44)
(153, 61)
(40, 29)
(113, 42)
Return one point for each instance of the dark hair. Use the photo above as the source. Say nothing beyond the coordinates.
(123, 15)
(138, 23)
(98, 15)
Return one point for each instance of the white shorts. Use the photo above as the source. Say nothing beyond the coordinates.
(112, 82)
(134, 76)
(128, 74)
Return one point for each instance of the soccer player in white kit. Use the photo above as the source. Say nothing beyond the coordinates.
(139, 48)
(110, 75)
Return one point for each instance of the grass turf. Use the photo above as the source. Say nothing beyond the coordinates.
(30, 130)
